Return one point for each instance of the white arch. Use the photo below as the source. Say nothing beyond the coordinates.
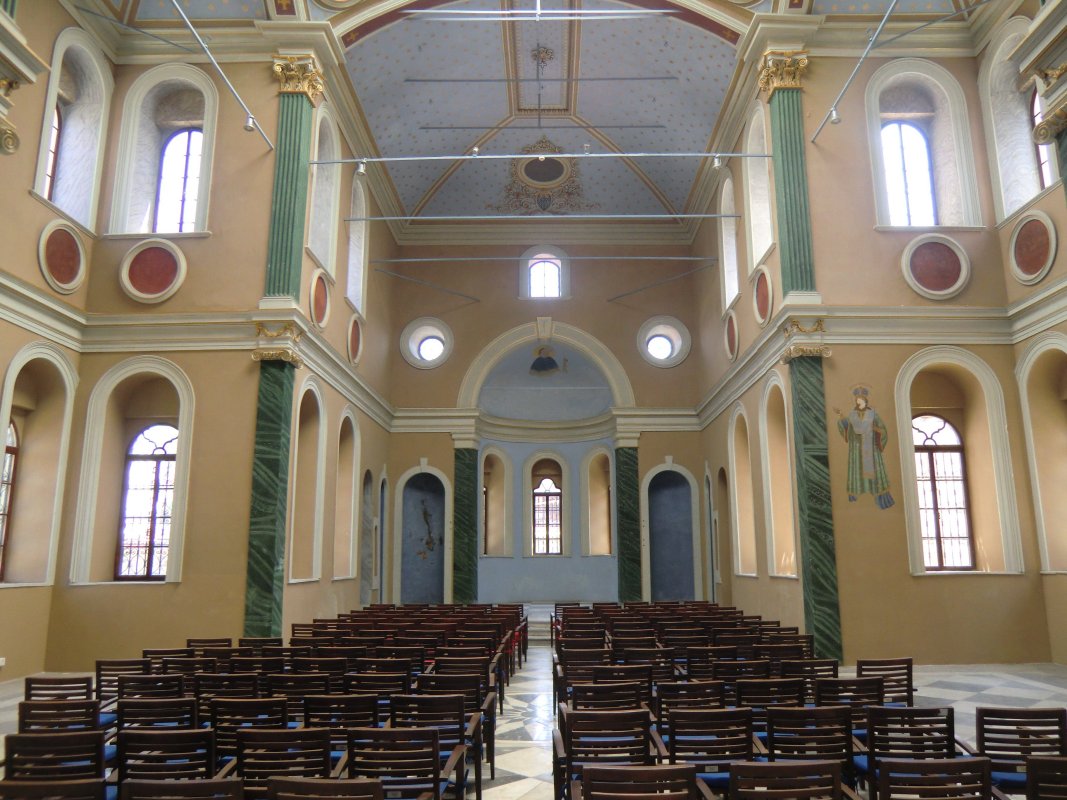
(621, 392)
(774, 381)
(694, 527)
(310, 385)
(398, 521)
(963, 181)
(46, 351)
(89, 484)
(509, 498)
(130, 136)
(735, 498)
(997, 422)
(1050, 340)
(583, 494)
(349, 415)
(94, 117)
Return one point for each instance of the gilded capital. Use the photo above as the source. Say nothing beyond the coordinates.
(9, 140)
(1053, 123)
(299, 75)
(781, 70)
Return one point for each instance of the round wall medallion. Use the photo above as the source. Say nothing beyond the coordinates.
(761, 296)
(355, 338)
(730, 336)
(1033, 247)
(320, 298)
(152, 271)
(61, 256)
(544, 171)
(935, 266)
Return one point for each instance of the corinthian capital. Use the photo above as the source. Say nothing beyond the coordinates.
(1051, 125)
(781, 70)
(299, 75)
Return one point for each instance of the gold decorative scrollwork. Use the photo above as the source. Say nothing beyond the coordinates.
(282, 354)
(1046, 131)
(7, 86)
(288, 329)
(299, 75)
(781, 70)
(9, 140)
(805, 351)
(1054, 74)
(794, 326)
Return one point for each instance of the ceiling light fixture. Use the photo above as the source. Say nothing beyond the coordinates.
(361, 168)
(250, 123)
(835, 118)
(716, 163)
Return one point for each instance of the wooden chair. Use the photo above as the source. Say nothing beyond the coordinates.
(943, 779)
(229, 714)
(58, 687)
(899, 732)
(896, 674)
(208, 643)
(807, 780)
(294, 687)
(1046, 778)
(486, 666)
(1009, 736)
(663, 782)
(686, 694)
(821, 733)
(476, 700)
(856, 693)
(407, 761)
(43, 716)
(109, 670)
(285, 788)
(214, 789)
(208, 686)
(809, 669)
(257, 643)
(456, 728)
(264, 753)
(320, 664)
(172, 713)
(340, 713)
(166, 754)
(606, 695)
(618, 738)
(146, 686)
(54, 756)
(712, 739)
(85, 789)
(760, 694)
(157, 654)
(730, 672)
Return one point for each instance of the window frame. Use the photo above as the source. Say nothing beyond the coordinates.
(51, 161)
(929, 452)
(131, 458)
(1046, 163)
(185, 179)
(890, 122)
(731, 264)
(536, 255)
(12, 452)
(528, 489)
(541, 499)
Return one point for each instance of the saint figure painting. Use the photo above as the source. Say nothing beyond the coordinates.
(866, 436)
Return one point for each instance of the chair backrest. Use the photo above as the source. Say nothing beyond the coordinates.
(944, 779)
(856, 693)
(469, 685)
(340, 713)
(688, 694)
(384, 684)
(607, 695)
(1008, 736)
(109, 670)
(174, 713)
(214, 789)
(895, 732)
(820, 733)
(809, 669)
(189, 666)
(257, 643)
(294, 687)
(264, 753)
(202, 642)
(318, 789)
(712, 738)
(759, 694)
(445, 712)
(228, 715)
(166, 754)
(1046, 778)
(407, 761)
(58, 687)
(896, 676)
(84, 789)
(662, 781)
(153, 685)
(208, 686)
(54, 756)
(42, 716)
(606, 737)
(157, 654)
(801, 780)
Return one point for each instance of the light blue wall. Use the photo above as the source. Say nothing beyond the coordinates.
(514, 578)
(422, 540)
(670, 533)
(577, 390)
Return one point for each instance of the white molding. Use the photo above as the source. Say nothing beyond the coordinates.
(670, 465)
(1050, 228)
(674, 330)
(46, 351)
(310, 385)
(42, 260)
(997, 425)
(933, 294)
(89, 477)
(398, 527)
(181, 268)
(420, 329)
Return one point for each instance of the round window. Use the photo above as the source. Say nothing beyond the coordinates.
(426, 342)
(431, 348)
(660, 346)
(663, 341)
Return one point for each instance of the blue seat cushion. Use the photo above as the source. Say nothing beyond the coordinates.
(108, 718)
(1009, 780)
(860, 763)
(110, 753)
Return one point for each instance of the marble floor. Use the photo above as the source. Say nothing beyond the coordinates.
(524, 731)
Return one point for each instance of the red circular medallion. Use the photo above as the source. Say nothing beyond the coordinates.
(763, 297)
(62, 257)
(731, 336)
(320, 299)
(153, 271)
(1033, 244)
(935, 266)
(355, 338)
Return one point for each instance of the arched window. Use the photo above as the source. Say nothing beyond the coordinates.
(322, 229)
(165, 151)
(757, 176)
(916, 116)
(547, 480)
(544, 273)
(147, 503)
(70, 156)
(1044, 151)
(908, 179)
(942, 485)
(728, 244)
(358, 228)
(7, 487)
(179, 182)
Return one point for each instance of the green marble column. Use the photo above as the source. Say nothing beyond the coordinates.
(628, 518)
(822, 612)
(8, 6)
(285, 244)
(791, 192)
(270, 490)
(465, 527)
(1061, 151)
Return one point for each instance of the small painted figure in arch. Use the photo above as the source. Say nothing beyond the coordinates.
(866, 436)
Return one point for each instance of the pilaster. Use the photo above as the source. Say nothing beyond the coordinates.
(627, 515)
(465, 526)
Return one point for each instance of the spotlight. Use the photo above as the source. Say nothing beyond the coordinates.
(540, 158)
(586, 148)
(835, 118)
(361, 168)
(475, 151)
(250, 123)
(716, 163)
